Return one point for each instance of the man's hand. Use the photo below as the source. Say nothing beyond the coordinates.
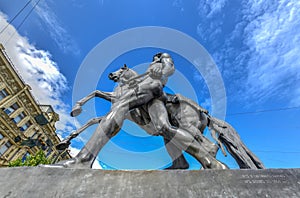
(203, 110)
(156, 72)
(172, 99)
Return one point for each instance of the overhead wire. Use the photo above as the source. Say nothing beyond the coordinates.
(12, 20)
(22, 22)
(264, 111)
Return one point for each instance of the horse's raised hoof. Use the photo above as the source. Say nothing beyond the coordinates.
(62, 145)
(76, 110)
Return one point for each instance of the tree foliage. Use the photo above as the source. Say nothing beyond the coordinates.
(32, 160)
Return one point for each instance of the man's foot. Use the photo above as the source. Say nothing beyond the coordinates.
(218, 165)
(76, 110)
(179, 163)
(222, 166)
(177, 166)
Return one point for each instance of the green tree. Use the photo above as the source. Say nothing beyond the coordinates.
(32, 160)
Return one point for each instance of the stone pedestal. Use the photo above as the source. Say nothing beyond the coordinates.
(53, 182)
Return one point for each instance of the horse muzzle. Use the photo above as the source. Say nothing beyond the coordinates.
(113, 77)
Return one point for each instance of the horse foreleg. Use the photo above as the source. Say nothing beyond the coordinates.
(76, 110)
(67, 141)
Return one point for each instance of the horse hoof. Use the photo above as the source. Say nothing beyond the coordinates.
(70, 163)
(76, 111)
(62, 145)
(174, 167)
(222, 166)
(63, 164)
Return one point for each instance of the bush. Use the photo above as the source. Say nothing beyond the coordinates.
(32, 160)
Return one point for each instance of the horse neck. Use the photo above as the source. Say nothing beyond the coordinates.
(122, 88)
(128, 75)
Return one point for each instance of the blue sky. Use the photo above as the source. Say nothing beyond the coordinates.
(255, 46)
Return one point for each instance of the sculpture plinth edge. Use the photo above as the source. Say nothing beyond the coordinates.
(51, 182)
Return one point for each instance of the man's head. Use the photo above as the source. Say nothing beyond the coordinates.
(157, 56)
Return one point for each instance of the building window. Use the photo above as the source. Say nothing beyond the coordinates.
(3, 94)
(64, 155)
(1, 136)
(25, 156)
(49, 152)
(19, 117)
(26, 126)
(4, 148)
(49, 142)
(34, 134)
(11, 109)
(15, 153)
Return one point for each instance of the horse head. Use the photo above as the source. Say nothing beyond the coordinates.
(123, 74)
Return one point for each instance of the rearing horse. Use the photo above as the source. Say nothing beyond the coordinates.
(184, 113)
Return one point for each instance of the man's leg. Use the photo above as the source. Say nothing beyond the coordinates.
(181, 138)
(205, 142)
(178, 160)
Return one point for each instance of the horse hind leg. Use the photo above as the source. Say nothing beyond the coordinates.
(65, 143)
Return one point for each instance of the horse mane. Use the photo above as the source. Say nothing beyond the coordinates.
(129, 73)
(132, 73)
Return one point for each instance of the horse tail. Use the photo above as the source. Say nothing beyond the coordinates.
(234, 145)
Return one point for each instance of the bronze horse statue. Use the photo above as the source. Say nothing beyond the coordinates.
(182, 112)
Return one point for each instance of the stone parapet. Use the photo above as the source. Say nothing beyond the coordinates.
(54, 182)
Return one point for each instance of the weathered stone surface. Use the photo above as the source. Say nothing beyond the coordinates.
(53, 182)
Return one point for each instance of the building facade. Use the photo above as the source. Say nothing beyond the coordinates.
(25, 125)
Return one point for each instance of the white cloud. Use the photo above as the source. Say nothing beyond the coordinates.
(57, 32)
(38, 70)
(273, 39)
(210, 27)
(210, 8)
(74, 151)
(42, 74)
(258, 53)
(206, 104)
(178, 4)
(96, 165)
